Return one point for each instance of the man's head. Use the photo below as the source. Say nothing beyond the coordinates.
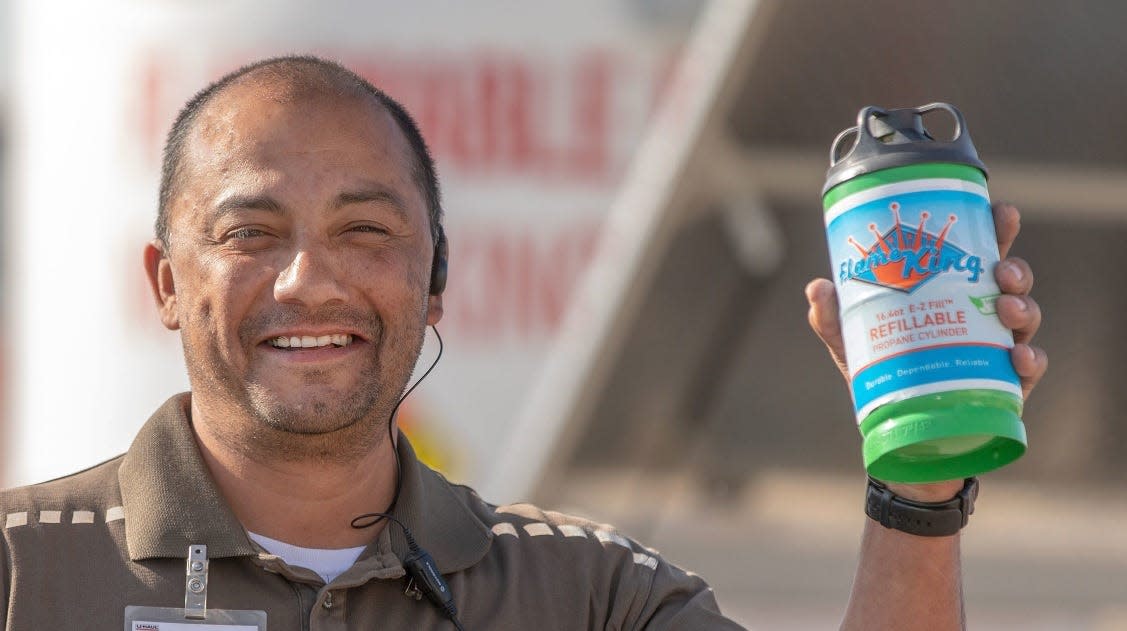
(295, 241)
(315, 73)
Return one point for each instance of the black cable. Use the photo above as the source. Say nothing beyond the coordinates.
(419, 564)
(357, 521)
(422, 569)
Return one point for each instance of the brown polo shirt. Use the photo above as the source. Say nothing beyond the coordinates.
(79, 549)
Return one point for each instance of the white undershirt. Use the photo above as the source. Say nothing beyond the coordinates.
(329, 563)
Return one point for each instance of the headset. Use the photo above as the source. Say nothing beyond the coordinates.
(420, 566)
(439, 264)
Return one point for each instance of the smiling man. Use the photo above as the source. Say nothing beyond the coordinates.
(295, 254)
(299, 253)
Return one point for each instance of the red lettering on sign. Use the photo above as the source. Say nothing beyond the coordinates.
(513, 283)
(484, 113)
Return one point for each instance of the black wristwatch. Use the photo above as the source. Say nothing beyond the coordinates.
(925, 519)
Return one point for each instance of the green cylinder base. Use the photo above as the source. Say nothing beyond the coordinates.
(943, 436)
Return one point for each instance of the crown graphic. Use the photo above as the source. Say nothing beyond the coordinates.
(904, 257)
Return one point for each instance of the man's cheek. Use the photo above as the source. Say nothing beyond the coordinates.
(194, 312)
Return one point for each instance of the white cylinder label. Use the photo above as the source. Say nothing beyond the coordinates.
(913, 263)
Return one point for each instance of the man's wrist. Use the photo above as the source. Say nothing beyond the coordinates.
(941, 518)
(931, 492)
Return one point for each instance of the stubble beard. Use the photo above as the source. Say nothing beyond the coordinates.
(330, 428)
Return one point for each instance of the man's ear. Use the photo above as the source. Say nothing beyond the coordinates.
(159, 270)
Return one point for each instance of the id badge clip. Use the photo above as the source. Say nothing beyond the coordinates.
(195, 616)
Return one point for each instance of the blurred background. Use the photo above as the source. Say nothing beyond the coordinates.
(632, 190)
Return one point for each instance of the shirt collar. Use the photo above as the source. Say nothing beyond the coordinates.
(172, 502)
(437, 516)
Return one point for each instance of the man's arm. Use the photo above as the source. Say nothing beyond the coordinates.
(904, 580)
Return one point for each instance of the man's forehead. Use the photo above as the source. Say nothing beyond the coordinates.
(252, 127)
(257, 123)
(254, 103)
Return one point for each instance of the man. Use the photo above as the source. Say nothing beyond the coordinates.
(300, 254)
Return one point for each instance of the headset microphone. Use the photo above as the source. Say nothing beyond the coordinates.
(418, 563)
(421, 569)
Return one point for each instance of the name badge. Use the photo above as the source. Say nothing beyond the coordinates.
(172, 619)
(195, 616)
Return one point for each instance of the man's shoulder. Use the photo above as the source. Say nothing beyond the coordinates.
(581, 563)
(521, 514)
(534, 520)
(535, 530)
(85, 494)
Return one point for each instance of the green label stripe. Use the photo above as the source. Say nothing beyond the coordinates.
(930, 170)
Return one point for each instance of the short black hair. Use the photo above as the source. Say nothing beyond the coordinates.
(313, 73)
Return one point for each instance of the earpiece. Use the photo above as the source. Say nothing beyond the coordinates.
(439, 264)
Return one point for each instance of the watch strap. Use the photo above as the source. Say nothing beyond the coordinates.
(924, 519)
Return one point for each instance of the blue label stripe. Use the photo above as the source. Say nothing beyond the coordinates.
(948, 363)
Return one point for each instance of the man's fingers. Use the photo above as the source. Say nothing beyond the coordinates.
(823, 317)
(1014, 276)
(1016, 309)
(1030, 363)
(1007, 223)
(1020, 313)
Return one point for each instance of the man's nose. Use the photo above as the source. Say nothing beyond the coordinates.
(312, 279)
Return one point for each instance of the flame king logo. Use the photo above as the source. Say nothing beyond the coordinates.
(904, 258)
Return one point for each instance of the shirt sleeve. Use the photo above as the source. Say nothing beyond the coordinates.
(5, 580)
(681, 601)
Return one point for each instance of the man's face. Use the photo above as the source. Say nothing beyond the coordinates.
(299, 260)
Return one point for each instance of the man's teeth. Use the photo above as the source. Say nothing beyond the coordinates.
(308, 341)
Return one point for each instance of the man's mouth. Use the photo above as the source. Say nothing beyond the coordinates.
(308, 341)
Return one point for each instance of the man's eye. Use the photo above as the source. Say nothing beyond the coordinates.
(246, 233)
(367, 228)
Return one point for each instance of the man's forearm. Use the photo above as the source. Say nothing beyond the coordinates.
(906, 582)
